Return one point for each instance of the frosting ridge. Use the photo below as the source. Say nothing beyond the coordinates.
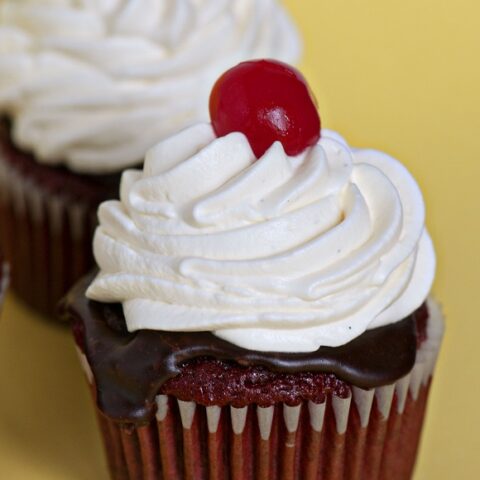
(93, 84)
(280, 254)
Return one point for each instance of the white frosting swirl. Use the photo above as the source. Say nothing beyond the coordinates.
(93, 84)
(280, 254)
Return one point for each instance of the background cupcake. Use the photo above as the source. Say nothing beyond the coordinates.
(271, 320)
(86, 88)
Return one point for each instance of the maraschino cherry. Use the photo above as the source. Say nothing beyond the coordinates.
(268, 101)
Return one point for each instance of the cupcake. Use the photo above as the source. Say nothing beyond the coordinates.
(261, 309)
(87, 87)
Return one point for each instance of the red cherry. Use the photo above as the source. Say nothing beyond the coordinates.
(268, 101)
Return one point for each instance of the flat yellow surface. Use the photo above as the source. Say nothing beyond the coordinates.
(403, 77)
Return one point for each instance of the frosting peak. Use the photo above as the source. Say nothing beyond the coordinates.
(94, 84)
(280, 254)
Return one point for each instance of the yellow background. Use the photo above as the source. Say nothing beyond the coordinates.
(400, 76)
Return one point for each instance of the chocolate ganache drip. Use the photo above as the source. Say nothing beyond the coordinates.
(129, 369)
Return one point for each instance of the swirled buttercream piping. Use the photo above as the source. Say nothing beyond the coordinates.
(279, 254)
(93, 84)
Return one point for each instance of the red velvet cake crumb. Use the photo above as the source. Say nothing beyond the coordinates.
(213, 382)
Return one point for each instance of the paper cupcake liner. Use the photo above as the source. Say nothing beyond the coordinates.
(369, 435)
(46, 227)
(46, 238)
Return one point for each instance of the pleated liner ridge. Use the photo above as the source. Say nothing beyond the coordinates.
(369, 435)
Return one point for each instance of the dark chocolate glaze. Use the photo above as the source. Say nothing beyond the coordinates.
(130, 368)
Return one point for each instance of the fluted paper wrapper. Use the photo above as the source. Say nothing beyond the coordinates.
(369, 435)
(46, 234)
